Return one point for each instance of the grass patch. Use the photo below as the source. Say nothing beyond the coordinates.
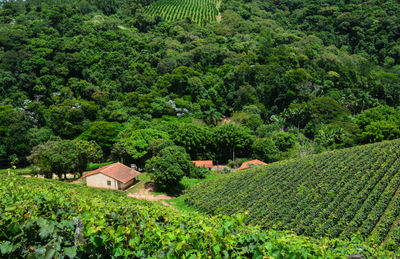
(187, 183)
(143, 179)
(94, 166)
(18, 171)
(179, 203)
(190, 182)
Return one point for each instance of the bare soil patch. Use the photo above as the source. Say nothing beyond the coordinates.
(145, 194)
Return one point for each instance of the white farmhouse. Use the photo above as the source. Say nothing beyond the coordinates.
(116, 176)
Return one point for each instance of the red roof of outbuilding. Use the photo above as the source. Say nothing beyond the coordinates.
(205, 163)
(247, 164)
(118, 171)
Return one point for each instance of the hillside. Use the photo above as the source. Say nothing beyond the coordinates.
(44, 218)
(333, 194)
(293, 77)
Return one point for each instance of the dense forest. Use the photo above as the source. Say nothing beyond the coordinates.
(271, 80)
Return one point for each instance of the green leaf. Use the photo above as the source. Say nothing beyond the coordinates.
(216, 249)
(6, 247)
(50, 252)
(70, 251)
(46, 230)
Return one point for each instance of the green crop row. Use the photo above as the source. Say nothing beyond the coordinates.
(48, 219)
(334, 194)
(172, 10)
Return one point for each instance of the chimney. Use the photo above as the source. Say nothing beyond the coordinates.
(133, 166)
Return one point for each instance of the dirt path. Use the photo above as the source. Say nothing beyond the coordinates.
(69, 176)
(219, 16)
(144, 194)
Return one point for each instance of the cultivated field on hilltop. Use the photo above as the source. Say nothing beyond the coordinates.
(198, 11)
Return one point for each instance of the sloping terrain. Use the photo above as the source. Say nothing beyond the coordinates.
(198, 10)
(42, 218)
(333, 194)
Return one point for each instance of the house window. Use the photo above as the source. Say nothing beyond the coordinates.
(109, 183)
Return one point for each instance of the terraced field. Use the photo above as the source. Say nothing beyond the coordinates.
(199, 11)
(333, 194)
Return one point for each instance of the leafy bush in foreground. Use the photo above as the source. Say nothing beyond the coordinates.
(41, 218)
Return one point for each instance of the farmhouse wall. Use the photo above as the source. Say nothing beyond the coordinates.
(100, 180)
(123, 186)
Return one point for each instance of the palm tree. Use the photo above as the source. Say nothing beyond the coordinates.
(212, 117)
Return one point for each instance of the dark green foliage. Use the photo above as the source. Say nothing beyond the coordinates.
(196, 139)
(169, 166)
(335, 194)
(284, 140)
(232, 140)
(318, 110)
(59, 157)
(103, 133)
(198, 172)
(88, 151)
(266, 150)
(76, 68)
(13, 137)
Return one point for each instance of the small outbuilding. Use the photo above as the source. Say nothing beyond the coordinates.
(251, 163)
(204, 163)
(116, 176)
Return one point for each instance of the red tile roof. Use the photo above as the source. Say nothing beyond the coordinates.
(205, 163)
(247, 164)
(118, 171)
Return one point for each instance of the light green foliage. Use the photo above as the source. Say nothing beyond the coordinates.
(329, 135)
(379, 123)
(94, 166)
(336, 194)
(136, 145)
(117, 226)
(199, 11)
(379, 113)
(381, 130)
